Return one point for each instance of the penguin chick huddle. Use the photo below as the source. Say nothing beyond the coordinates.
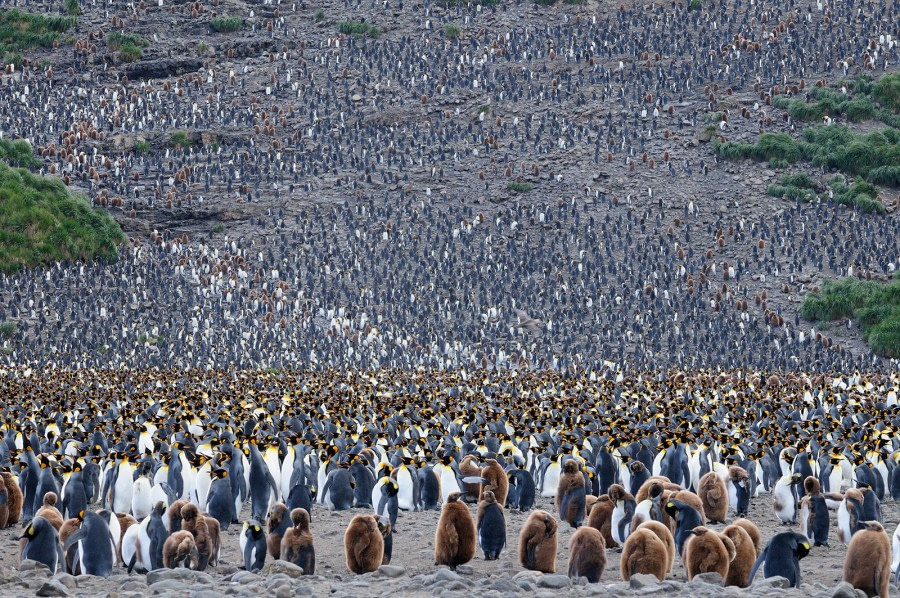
(150, 469)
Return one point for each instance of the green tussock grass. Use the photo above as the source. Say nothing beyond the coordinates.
(22, 31)
(226, 24)
(18, 153)
(519, 187)
(860, 194)
(451, 31)
(793, 186)
(42, 221)
(130, 46)
(358, 29)
(180, 139)
(8, 329)
(875, 306)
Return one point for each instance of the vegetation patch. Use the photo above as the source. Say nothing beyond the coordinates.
(130, 46)
(23, 31)
(519, 187)
(18, 153)
(452, 31)
(180, 140)
(226, 24)
(794, 186)
(875, 306)
(41, 221)
(358, 29)
(319, 16)
(8, 329)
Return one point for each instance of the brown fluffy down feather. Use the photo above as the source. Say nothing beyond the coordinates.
(215, 538)
(811, 486)
(587, 554)
(538, 541)
(705, 552)
(469, 467)
(714, 497)
(195, 523)
(454, 538)
(363, 544)
(867, 566)
(49, 511)
(665, 536)
(15, 499)
(570, 480)
(600, 518)
(498, 482)
(644, 491)
(689, 498)
(180, 548)
(125, 521)
(644, 553)
(273, 540)
(297, 545)
(752, 531)
(737, 473)
(744, 556)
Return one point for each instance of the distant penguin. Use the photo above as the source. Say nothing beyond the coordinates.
(363, 544)
(867, 565)
(408, 485)
(337, 493)
(42, 544)
(14, 498)
(180, 550)
(663, 532)
(714, 495)
(744, 556)
(429, 488)
(454, 539)
(587, 554)
(643, 553)
(219, 498)
(686, 519)
(624, 507)
(570, 494)
(550, 478)
(297, 543)
(521, 490)
(537, 542)
(75, 497)
(849, 515)
(739, 490)
(639, 476)
(386, 502)
(253, 545)
(705, 551)
(490, 523)
(784, 502)
(96, 545)
(496, 481)
(141, 497)
(815, 520)
(301, 497)
(363, 483)
(277, 524)
(46, 482)
(782, 557)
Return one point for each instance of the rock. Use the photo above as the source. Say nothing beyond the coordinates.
(642, 580)
(842, 590)
(391, 571)
(167, 585)
(284, 592)
(705, 135)
(504, 586)
(163, 68)
(356, 97)
(279, 566)
(711, 578)
(465, 570)
(443, 574)
(773, 582)
(553, 581)
(29, 565)
(66, 580)
(133, 585)
(182, 575)
(52, 588)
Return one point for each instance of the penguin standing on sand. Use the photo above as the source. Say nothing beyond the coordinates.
(43, 544)
(337, 493)
(74, 495)
(538, 542)
(263, 488)
(387, 504)
(363, 483)
(815, 521)
(297, 543)
(454, 539)
(491, 526)
(219, 500)
(253, 545)
(96, 545)
(784, 501)
(570, 495)
(782, 557)
(867, 565)
(363, 544)
(587, 554)
(521, 490)
(429, 488)
(645, 553)
(686, 519)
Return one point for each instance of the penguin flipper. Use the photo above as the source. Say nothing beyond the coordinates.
(273, 484)
(61, 558)
(759, 561)
(74, 537)
(474, 479)
(132, 562)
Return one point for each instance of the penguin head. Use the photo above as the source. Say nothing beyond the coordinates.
(384, 526)
(220, 473)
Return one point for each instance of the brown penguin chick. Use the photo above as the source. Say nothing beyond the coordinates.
(570, 494)
(49, 511)
(469, 467)
(363, 544)
(705, 551)
(752, 531)
(297, 543)
(665, 536)
(641, 515)
(173, 515)
(273, 522)
(643, 552)
(600, 518)
(14, 498)
(587, 554)
(4, 506)
(867, 566)
(180, 549)
(73, 565)
(714, 497)
(215, 538)
(454, 539)
(691, 499)
(589, 501)
(744, 556)
(125, 521)
(195, 523)
(537, 542)
(811, 486)
(644, 491)
(498, 483)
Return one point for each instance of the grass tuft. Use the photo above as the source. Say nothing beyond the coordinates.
(180, 140)
(358, 29)
(519, 187)
(226, 24)
(22, 31)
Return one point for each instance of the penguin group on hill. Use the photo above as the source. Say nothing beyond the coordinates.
(206, 449)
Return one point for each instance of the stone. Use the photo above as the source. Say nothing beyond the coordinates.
(642, 580)
(773, 582)
(167, 585)
(391, 571)
(66, 580)
(284, 592)
(553, 581)
(52, 588)
(240, 575)
(181, 575)
(465, 570)
(444, 574)
(29, 565)
(504, 586)
(711, 578)
(278, 566)
(133, 585)
(843, 590)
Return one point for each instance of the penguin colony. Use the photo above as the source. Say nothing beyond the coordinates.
(366, 230)
(266, 452)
